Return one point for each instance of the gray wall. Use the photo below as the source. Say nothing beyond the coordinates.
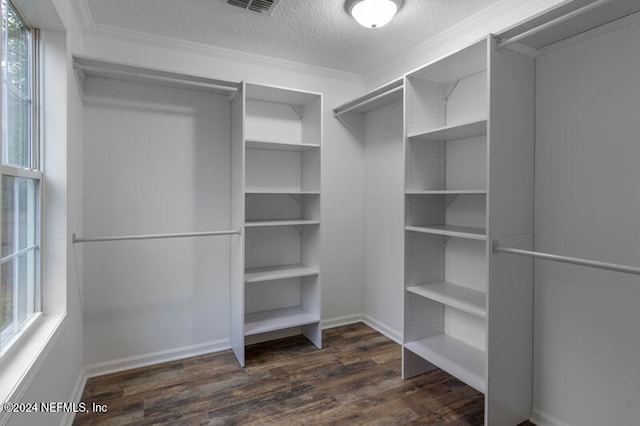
(587, 338)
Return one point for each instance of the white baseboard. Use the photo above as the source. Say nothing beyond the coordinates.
(383, 329)
(340, 321)
(113, 366)
(371, 322)
(76, 396)
(541, 418)
(121, 364)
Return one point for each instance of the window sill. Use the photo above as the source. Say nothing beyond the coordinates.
(23, 360)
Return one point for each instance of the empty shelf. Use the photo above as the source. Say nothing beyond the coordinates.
(290, 222)
(465, 299)
(451, 231)
(271, 273)
(453, 132)
(285, 191)
(277, 319)
(445, 191)
(453, 356)
(279, 145)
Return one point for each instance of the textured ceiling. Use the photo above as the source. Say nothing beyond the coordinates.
(315, 32)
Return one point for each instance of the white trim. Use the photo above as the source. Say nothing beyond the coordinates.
(378, 326)
(489, 18)
(121, 364)
(340, 321)
(384, 329)
(541, 418)
(27, 357)
(132, 36)
(75, 396)
(456, 32)
(82, 13)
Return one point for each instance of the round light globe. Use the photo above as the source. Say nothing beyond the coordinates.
(374, 13)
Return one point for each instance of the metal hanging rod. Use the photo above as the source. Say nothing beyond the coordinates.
(86, 66)
(396, 87)
(75, 239)
(159, 78)
(558, 20)
(564, 259)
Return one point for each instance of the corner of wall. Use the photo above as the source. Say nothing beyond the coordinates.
(493, 19)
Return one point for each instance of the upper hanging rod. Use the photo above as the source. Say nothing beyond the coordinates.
(564, 259)
(558, 20)
(395, 87)
(75, 239)
(96, 67)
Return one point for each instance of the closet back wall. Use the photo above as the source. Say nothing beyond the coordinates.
(157, 160)
(587, 339)
(384, 218)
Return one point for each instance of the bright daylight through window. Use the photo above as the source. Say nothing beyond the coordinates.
(21, 179)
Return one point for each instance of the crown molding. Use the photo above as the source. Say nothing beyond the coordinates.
(137, 37)
(488, 20)
(83, 14)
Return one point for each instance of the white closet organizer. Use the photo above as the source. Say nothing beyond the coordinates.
(276, 155)
(469, 179)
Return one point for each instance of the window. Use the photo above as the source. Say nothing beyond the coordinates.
(20, 177)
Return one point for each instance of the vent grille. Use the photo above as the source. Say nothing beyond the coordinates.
(264, 7)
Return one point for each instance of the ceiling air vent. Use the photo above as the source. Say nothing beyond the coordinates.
(264, 7)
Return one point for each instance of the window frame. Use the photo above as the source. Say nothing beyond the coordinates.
(32, 172)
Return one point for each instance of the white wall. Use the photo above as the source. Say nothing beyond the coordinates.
(493, 19)
(587, 339)
(157, 160)
(59, 375)
(342, 199)
(384, 219)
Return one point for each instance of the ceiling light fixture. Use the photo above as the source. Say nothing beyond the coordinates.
(373, 13)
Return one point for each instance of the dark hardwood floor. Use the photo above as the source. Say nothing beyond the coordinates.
(354, 379)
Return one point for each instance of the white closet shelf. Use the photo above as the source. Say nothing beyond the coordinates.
(278, 319)
(463, 298)
(285, 191)
(453, 356)
(445, 191)
(454, 131)
(451, 231)
(279, 145)
(254, 275)
(290, 222)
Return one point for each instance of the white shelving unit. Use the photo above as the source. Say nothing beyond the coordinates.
(296, 222)
(272, 273)
(453, 356)
(454, 131)
(460, 297)
(468, 180)
(276, 154)
(277, 191)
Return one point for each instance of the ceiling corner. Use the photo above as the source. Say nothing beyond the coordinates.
(83, 13)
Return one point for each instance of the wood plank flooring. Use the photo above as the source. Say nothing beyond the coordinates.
(355, 379)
